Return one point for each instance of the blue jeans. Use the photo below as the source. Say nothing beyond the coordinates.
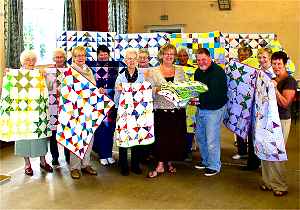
(208, 127)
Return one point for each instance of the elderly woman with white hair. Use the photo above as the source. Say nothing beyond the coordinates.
(130, 75)
(34, 147)
(59, 57)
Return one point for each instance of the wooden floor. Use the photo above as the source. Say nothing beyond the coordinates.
(188, 189)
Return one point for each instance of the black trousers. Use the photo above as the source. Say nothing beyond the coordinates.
(123, 158)
(54, 148)
(253, 161)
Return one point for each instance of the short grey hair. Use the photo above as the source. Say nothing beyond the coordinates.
(131, 51)
(59, 50)
(27, 54)
(144, 50)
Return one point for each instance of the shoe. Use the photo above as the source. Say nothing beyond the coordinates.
(55, 162)
(89, 170)
(75, 174)
(238, 157)
(103, 162)
(265, 188)
(189, 157)
(171, 169)
(124, 172)
(210, 172)
(111, 161)
(46, 167)
(29, 171)
(136, 170)
(200, 166)
(279, 193)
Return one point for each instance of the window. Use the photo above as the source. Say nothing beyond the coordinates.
(43, 22)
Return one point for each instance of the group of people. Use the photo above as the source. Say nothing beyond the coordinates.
(172, 142)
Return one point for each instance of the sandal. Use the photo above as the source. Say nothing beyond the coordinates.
(279, 193)
(264, 188)
(157, 172)
(153, 174)
(29, 171)
(171, 169)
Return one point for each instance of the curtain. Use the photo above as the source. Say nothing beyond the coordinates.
(118, 16)
(13, 32)
(94, 15)
(69, 16)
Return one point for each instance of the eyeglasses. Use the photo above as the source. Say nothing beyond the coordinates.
(80, 56)
(169, 54)
(131, 59)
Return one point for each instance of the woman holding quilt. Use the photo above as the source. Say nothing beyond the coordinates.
(31, 148)
(78, 63)
(130, 75)
(170, 121)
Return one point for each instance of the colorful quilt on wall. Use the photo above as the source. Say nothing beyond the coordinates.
(24, 106)
(81, 110)
(91, 40)
(193, 41)
(151, 41)
(268, 137)
(233, 41)
(241, 81)
(135, 118)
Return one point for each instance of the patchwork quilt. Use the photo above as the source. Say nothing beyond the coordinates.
(241, 80)
(81, 110)
(91, 40)
(180, 93)
(193, 41)
(135, 118)
(151, 41)
(24, 106)
(268, 137)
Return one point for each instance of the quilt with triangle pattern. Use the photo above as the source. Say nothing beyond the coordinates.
(24, 106)
(151, 41)
(241, 80)
(268, 138)
(89, 39)
(53, 80)
(135, 118)
(81, 110)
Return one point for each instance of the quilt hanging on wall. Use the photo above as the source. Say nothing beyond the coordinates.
(233, 41)
(193, 41)
(241, 80)
(24, 106)
(151, 41)
(268, 138)
(135, 118)
(91, 40)
(81, 110)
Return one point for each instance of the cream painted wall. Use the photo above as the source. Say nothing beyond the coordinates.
(2, 59)
(276, 16)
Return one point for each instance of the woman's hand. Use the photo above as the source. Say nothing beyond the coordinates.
(101, 90)
(119, 87)
(274, 83)
(5, 71)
